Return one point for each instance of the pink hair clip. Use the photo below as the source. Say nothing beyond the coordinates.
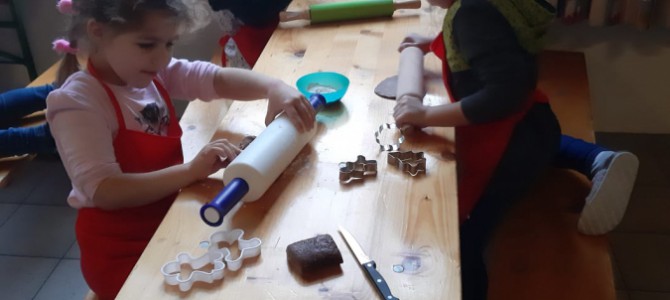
(62, 46)
(65, 7)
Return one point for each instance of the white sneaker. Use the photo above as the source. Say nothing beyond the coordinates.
(610, 191)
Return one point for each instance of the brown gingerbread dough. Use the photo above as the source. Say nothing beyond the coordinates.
(313, 254)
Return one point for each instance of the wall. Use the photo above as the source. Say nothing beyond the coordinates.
(629, 74)
(629, 70)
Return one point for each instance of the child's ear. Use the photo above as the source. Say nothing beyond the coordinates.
(94, 30)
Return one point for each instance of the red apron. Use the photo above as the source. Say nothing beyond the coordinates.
(111, 242)
(250, 42)
(479, 147)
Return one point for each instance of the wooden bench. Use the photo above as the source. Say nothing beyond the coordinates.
(8, 164)
(538, 253)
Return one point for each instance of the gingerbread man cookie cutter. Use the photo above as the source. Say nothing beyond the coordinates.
(173, 269)
(357, 170)
(215, 256)
(413, 163)
(248, 248)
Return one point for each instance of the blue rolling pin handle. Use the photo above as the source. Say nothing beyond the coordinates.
(318, 101)
(213, 212)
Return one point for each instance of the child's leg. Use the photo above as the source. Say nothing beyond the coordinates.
(577, 155)
(612, 176)
(18, 103)
(530, 150)
(28, 140)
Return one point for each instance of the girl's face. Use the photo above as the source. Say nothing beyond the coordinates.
(134, 58)
(441, 3)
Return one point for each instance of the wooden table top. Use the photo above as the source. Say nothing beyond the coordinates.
(397, 219)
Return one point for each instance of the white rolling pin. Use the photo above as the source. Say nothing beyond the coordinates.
(252, 172)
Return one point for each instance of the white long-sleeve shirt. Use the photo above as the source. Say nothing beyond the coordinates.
(83, 122)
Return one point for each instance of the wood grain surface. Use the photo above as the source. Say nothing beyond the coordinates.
(397, 219)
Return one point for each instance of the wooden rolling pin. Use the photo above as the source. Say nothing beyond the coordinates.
(348, 10)
(410, 74)
(410, 78)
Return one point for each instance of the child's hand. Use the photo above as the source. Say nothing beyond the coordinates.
(416, 40)
(409, 111)
(211, 158)
(296, 107)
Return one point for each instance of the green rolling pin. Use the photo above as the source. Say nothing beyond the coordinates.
(348, 10)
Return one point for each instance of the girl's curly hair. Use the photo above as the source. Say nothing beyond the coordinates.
(127, 15)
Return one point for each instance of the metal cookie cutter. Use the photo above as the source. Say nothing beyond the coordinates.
(215, 256)
(390, 147)
(248, 248)
(172, 270)
(357, 170)
(413, 163)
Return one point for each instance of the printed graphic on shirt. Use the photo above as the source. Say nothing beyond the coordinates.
(154, 119)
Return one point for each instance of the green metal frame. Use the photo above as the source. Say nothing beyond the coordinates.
(26, 57)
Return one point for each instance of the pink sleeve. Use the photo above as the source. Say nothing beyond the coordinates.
(84, 140)
(188, 80)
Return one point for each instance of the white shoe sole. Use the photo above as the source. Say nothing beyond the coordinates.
(606, 204)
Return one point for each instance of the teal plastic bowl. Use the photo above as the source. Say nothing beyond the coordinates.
(331, 85)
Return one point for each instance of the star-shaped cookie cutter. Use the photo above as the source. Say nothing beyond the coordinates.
(390, 147)
(413, 163)
(357, 170)
(215, 255)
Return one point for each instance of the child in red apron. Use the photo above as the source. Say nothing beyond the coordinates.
(119, 138)
(250, 24)
(506, 133)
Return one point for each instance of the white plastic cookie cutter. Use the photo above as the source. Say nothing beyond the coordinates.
(248, 248)
(216, 256)
(172, 270)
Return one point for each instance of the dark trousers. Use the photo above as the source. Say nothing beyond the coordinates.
(16, 104)
(532, 148)
(577, 155)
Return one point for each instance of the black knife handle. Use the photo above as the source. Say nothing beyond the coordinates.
(382, 287)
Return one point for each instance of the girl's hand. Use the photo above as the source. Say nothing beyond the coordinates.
(299, 111)
(416, 40)
(212, 157)
(409, 111)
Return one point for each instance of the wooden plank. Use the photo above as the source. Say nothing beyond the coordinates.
(563, 76)
(397, 220)
(201, 119)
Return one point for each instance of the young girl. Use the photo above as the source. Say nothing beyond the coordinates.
(506, 133)
(117, 133)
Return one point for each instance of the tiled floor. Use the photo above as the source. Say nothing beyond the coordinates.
(40, 258)
(641, 244)
(38, 252)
